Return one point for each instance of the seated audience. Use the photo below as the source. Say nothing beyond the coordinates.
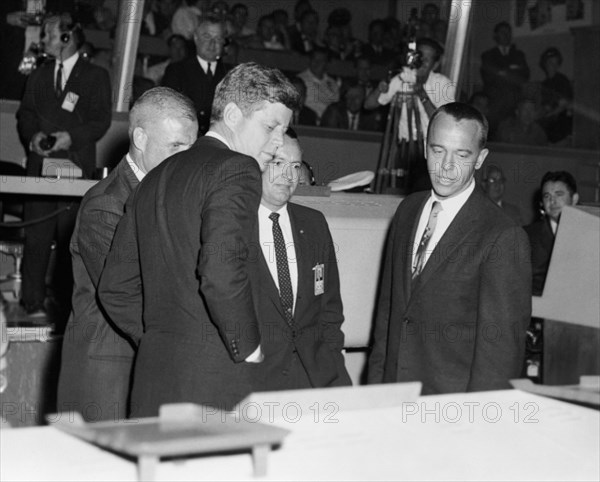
(186, 17)
(522, 128)
(558, 189)
(350, 114)
(305, 116)
(348, 47)
(288, 302)
(493, 185)
(178, 50)
(321, 89)
(557, 96)
(305, 39)
(282, 28)
(266, 36)
(375, 50)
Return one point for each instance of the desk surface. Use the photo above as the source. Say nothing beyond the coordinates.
(502, 435)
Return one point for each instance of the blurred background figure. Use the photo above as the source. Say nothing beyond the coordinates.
(493, 185)
(321, 89)
(178, 51)
(305, 116)
(557, 96)
(522, 128)
(266, 36)
(349, 113)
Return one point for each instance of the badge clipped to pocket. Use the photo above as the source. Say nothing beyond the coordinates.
(319, 270)
(70, 101)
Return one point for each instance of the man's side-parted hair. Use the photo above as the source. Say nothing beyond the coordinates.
(159, 103)
(560, 176)
(461, 111)
(249, 85)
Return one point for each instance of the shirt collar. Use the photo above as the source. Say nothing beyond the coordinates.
(68, 65)
(453, 204)
(264, 213)
(219, 137)
(135, 168)
(204, 65)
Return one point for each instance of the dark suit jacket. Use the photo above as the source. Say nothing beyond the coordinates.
(187, 77)
(179, 258)
(335, 116)
(541, 238)
(513, 212)
(460, 326)
(515, 65)
(40, 110)
(309, 354)
(96, 359)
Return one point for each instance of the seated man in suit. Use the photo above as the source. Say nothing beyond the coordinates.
(455, 295)
(296, 285)
(198, 76)
(177, 277)
(350, 114)
(493, 185)
(559, 189)
(96, 359)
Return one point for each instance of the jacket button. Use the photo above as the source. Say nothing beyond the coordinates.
(406, 320)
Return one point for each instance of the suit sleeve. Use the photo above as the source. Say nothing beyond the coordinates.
(98, 221)
(172, 78)
(332, 313)
(98, 117)
(376, 364)
(228, 220)
(27, 117)
(120, 285)
(504, 312)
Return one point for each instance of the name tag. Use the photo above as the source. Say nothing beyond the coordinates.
(70, 101)
(319, 270)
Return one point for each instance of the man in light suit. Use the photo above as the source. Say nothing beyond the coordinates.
(198, 76)
(304, 349)
(96, 359)
(455, 296)
(177, 280)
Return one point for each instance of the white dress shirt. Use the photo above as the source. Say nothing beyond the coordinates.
(68, 65)
(450, 208)
(265, 228)
(204, 64)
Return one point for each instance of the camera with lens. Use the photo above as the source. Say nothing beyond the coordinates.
(47, 143)
(414, 60)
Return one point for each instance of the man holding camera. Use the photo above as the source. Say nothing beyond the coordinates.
(65, 110)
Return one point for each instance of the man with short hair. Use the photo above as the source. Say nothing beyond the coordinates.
(558, 189)
(349, 113)
(301, 335)
(455, 296)
(321, 89)
(493, 185)
(177, 279)
(96, 359)
(197, 77)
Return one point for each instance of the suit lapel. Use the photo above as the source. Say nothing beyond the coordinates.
(408, 254)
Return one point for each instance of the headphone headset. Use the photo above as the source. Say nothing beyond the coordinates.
(65, 37)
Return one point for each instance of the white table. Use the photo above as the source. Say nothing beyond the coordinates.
(501, 435)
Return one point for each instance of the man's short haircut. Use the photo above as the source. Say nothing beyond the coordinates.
(434, 44)
(500, 25)
(319, 50)
(488, 170)
(560, 176)
(460, 111)
(66, 24)
(307, 13)
(160, 103)
(249, 85)
(210, 18)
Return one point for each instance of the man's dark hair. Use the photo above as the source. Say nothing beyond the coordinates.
(502, 25)
(249, 85)
(319, 50)
(212, 18)
(434, 44)
(461, 111)
(560, 176)
(176, 36)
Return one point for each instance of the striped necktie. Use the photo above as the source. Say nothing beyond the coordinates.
(419, 263)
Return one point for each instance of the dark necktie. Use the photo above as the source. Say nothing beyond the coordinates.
(283, 270)
(422, 249)
(209, 72)
(58, 83)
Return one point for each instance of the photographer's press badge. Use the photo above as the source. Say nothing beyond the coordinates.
(319, 270)
(70, 101)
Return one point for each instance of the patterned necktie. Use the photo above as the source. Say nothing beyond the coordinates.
(419, 263)
(58, 83)
(283, 270)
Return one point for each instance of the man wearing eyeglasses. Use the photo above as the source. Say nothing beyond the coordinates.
(197, 77)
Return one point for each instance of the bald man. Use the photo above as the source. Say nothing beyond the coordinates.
(96, 359)
(302, 348)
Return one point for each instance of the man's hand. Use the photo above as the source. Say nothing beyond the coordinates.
(383, 87)
(63, 141)
(256, 356)
(35, 144)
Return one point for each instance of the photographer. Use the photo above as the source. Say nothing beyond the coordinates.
(65, 110)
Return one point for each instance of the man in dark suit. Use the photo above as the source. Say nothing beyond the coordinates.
(455, 296)
(350, 114)
(176, 279)
(70, 100)
(504, 70)
(302, 346)
(559, 189)
(197, 77)
(493, 184)
(96, 359)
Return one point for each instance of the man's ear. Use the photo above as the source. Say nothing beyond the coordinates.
(481, 157)
(575, 198)
(139, 139)
(232, 115)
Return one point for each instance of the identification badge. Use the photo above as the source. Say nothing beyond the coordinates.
(319, 270)
(70, 101)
